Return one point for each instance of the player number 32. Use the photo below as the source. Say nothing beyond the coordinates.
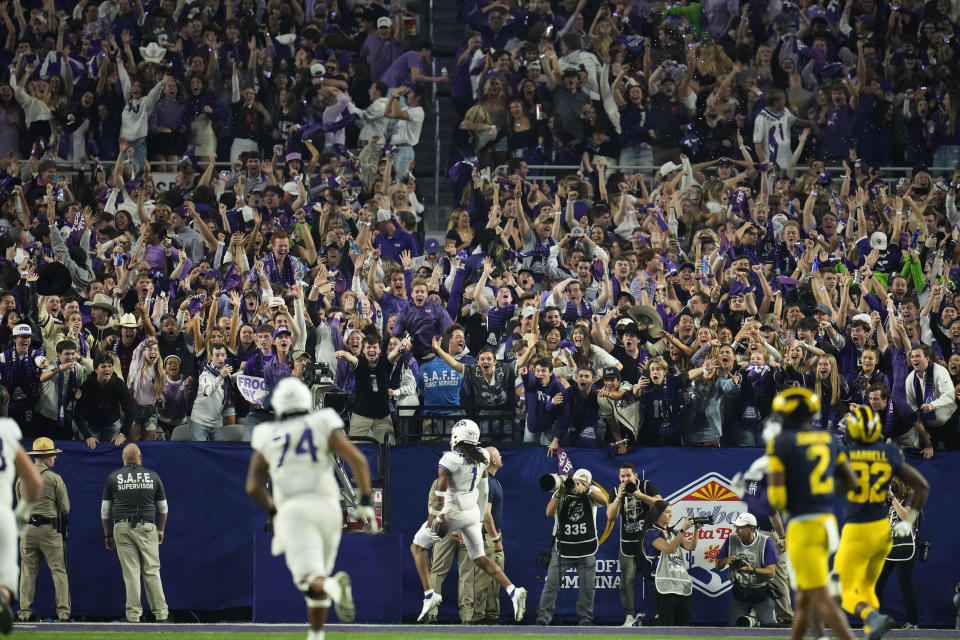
(865, 491)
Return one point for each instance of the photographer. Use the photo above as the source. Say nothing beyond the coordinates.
(664, 547)
(574, 509)
(752, 559)
(632, 503)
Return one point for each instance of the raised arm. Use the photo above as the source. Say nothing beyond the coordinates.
(459, 367)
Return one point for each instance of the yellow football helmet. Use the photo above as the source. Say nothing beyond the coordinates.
(863, 425)
(796, 406)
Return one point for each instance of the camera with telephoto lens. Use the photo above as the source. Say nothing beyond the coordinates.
(699, 521)
(553, 482)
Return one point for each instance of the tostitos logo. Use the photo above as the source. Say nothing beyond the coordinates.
(710, 495)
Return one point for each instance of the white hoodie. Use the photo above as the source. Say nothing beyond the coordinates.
(136, 115)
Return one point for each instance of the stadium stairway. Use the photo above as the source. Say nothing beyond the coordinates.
(448, 36)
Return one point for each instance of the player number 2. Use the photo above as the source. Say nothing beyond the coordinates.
(820, 482)
(865, 491)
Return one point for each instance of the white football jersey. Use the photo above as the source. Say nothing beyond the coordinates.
(462, 494)
(298, 452)
(9, 444)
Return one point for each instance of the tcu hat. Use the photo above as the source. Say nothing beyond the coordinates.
(22, 330)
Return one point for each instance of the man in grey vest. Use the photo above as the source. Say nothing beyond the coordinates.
(752, 559)
(772, 525)
(134, 514)
(574, 510)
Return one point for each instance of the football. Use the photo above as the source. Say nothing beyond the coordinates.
(440, 526)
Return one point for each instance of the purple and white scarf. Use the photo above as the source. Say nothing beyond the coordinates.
(926, 392)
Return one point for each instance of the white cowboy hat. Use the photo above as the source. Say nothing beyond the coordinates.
(153, 53)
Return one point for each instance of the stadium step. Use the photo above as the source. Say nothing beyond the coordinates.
(448, 36)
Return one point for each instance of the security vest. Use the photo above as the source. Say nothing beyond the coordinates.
(671, 574)
(632, 511)
(576, 526)
(752, 553)
(904, 547)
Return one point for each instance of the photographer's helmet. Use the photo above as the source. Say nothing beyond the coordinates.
(464, 431)
(291, 396)
(863, 425)
(796, 406)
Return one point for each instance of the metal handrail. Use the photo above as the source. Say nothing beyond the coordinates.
(381, 477)
(564, 168)
(436, 125)
(410, 427)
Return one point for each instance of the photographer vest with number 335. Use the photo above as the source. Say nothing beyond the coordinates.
(576, 526)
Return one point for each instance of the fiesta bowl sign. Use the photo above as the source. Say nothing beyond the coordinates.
(708, 495)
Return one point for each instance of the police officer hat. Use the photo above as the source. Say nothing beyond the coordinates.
(43, 447)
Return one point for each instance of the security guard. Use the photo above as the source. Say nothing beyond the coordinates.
(486, 608)
(134, 514)
(45, 533)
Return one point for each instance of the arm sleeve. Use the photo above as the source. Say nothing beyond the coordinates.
(124, 80)
(153, 97)
(483, 487)
(945, 393)
(769, 553)
(161, 494)
(951, 207)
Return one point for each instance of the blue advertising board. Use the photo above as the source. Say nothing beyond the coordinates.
(208, 557)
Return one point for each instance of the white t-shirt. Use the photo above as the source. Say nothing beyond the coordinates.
(462, 494)
(408, 131)
(576, 59)
(9, 444)
(780, 124)
(298, 452)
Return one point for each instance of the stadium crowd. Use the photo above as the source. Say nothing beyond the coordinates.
(732, 229)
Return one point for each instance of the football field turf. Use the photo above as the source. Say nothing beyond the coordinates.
(357, 635)
(300, 635)
(210, 632)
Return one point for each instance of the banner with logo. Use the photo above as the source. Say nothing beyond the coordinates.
(252, 388)
(214, 577)
(694, 481)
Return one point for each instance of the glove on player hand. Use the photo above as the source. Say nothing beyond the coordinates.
(367, 514)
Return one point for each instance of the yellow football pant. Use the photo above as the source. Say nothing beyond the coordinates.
(863, 548)
(810, 541)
